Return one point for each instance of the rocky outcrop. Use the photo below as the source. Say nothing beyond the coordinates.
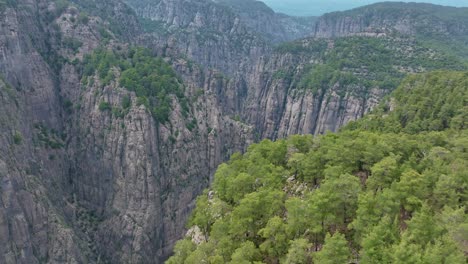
(140, 178)
(274, 27)
(277, 107)
(208, 33)
(81, 183)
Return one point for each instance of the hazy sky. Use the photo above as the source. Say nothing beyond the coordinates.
(318, 7)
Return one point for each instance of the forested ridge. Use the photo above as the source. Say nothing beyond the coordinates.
(390, 188)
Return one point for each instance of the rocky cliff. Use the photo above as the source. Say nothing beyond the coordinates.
(406, 18)
(90, 174)
(253, 16)
(33, 205)
(81, 184)
(440, 26)
(275, 27)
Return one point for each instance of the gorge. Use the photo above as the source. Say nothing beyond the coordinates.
(116, 114)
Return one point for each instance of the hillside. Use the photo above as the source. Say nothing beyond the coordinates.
(371, 193)
(438, 26)
(274, 26)
(114, 115)
(316, 85)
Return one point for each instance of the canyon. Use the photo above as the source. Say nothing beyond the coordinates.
(85, 179)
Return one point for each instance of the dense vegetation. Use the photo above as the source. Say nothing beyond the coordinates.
(366, 62)
(438, 101)
(152, 79)
(372, 194)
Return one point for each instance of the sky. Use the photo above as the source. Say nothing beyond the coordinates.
(319, 7)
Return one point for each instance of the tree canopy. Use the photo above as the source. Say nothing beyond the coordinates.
(391, 188)
(152, 79)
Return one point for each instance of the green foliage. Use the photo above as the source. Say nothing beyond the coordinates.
(104, 106)
(245, 254)
(181, 251)
(321, 77)
(100, 62)
(83, 18)
(276, 239)
(392, 196)
(376, 245)
(105, 35)
(427, 102)
(298, 252)
(48, 138)
(192, 124)
(17, 138)
(126, 102)
(153, 80)
(334, 251)
(152, 26)
(72, 43)
(426, 22)
(298, 47)
(61, 5)
(358, 64)
(119, 112)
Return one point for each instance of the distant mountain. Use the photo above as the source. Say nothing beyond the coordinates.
(254, 15)
(320, 7)
(440, 26)
(261, 18)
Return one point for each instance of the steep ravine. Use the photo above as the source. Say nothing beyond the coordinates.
(111, 189)
(141, 177)
(80, 182)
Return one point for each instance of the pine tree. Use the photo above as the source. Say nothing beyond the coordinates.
(182, 250)
(246, 254)
(298, 252)
(276, 240)
(443, 251)
(377, 245)
(334, 251)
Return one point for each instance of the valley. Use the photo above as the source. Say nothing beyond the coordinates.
(115, 115)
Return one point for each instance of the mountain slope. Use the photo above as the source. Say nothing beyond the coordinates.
(262, 84)
(365, 194)
(251, 14)
(35, 213)
(440, 26)
(275, 27)
(106, 143)
(315, 85)
(438, 102)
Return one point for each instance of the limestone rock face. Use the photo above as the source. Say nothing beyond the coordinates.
(79, 184)
(140, 177)
(273, 26)
(32, 224)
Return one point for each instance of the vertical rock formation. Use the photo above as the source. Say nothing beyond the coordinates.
(80, 182)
